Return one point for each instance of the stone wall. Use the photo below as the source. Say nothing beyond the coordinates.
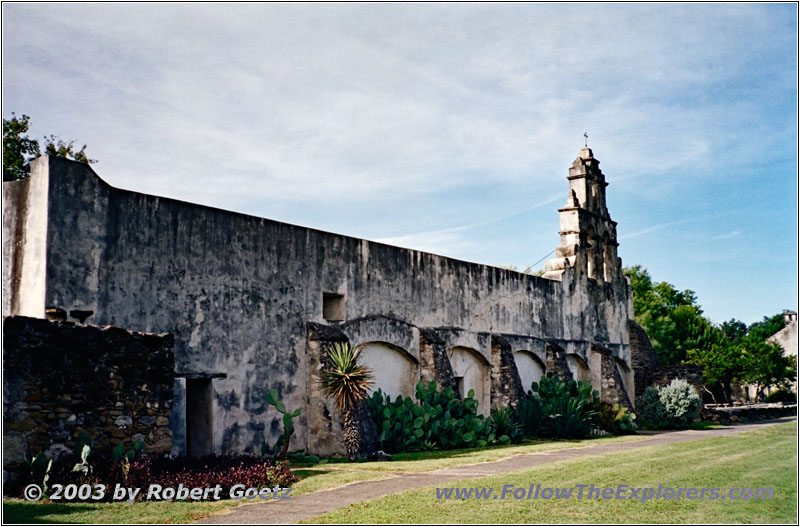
(649, 371)
(506, 384)
(60, 378)
(746, 414)
(643, 358)
(611, 383)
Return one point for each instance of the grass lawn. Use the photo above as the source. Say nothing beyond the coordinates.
(434, 460)
(760, 458)
(20, 511)
(330, 475)
(320, 477)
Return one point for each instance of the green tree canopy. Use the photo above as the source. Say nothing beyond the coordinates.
(19, 149)
(672, 318)
(729, 352)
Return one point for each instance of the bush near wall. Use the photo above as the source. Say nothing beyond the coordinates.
(440, 420)
(782, 395)
(553, 408)
(437, 420)
(673, 406)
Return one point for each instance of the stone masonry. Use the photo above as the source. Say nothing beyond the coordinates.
(648, 370)
(61, 378)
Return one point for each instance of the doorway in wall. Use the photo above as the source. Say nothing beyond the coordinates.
(199, 418)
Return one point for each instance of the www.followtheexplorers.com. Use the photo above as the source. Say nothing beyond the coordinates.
(535, 491)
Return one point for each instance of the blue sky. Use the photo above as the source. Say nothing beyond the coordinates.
(447, 128)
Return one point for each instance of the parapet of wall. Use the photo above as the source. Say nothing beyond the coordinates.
(60, 378)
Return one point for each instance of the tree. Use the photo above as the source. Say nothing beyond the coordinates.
(346, 382)
(56, 147)
(765, 365)
(19, 149)
(728, 353)
(722, 365)
(733, 329)
(672, 319)
(767, 327)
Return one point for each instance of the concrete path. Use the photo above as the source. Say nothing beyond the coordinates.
(307, 506)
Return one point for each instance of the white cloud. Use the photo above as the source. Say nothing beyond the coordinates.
(351, 102)
(731, 235)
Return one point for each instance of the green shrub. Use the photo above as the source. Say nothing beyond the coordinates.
(615, 418)
(506, 427)
(39, 467)
(553, 408)
(680, 401)
(530, 414)
(673, 406)
(652, 411)
(281, 447)
(438, 419)
(782, 396)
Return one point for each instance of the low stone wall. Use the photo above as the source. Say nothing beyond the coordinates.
(649, 371)
(745, 414)
(60, 378)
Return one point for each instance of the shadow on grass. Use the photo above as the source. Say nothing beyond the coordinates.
(16, 512)
(648, 428)
(463, 452)
(305, 473)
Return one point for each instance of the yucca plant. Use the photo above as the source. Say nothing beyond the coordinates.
(507, 428)
(346, 382)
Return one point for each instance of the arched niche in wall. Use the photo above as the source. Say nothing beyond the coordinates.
(530, 368)
(580, 370)
(393, 369)
(471, 373)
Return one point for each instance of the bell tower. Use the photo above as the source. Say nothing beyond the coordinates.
(588, 234)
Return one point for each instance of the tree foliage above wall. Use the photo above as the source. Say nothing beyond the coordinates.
(728, 352)
(19, 149)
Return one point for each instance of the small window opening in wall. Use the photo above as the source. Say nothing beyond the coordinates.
(333, 307)
(460, 386)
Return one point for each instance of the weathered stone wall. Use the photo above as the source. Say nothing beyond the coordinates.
(434, 364)
(556, 362)
(60, 378)
(237, 292)
(643, 358)
(611, 382)
(746, 414)
(648, 370)
(506, 383)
